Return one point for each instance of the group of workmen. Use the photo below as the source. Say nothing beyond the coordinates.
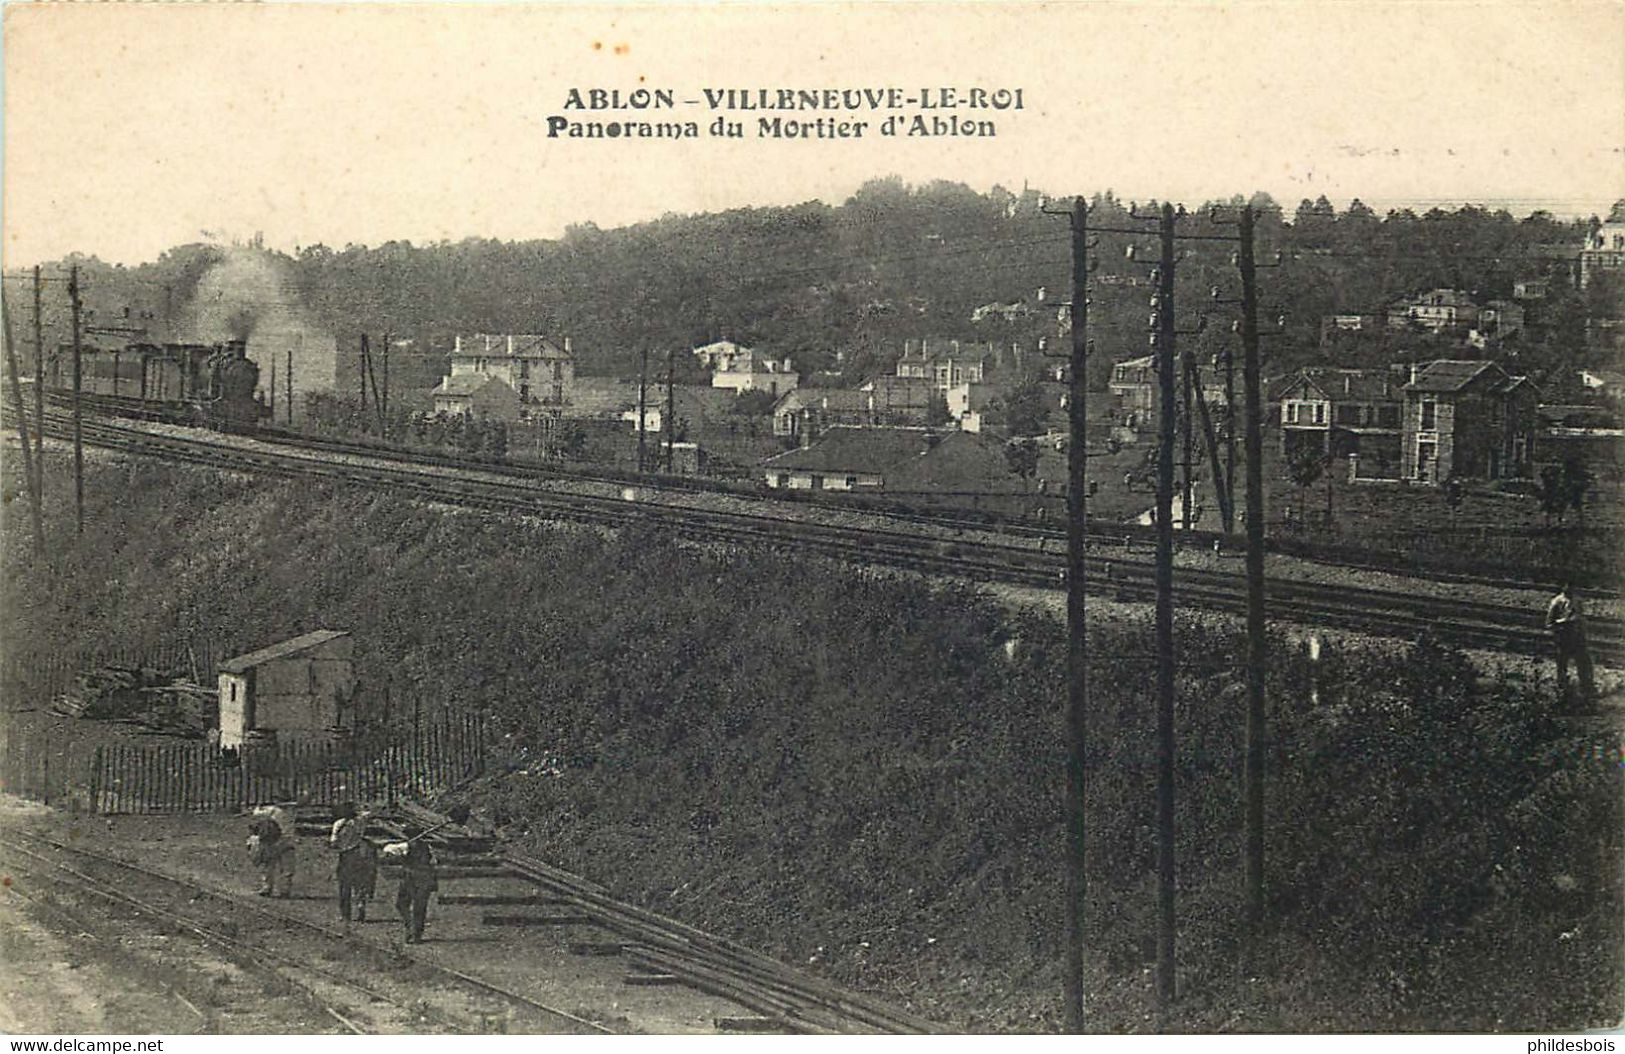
(271, 842)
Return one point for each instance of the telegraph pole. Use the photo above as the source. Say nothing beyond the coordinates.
(78, 413)
(671, 407)
(1221, 482)
(1253, 765)
(1165, 615)
(287, 385)
(361, 372)
(383, 399)
(39, 386)
(372, 376)
(30, 471)
(1229, 439)
(1077, 654)
(643, 402)
(1185, 493)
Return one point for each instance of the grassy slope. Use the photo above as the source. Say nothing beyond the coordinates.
(850, 772)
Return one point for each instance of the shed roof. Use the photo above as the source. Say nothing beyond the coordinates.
(1338, 383)
(1450, 375)
(281, 650)
(853, 449)
(964, 462)
(465, 383)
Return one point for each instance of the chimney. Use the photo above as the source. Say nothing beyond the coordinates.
(1413, 373)
(457, 345)
(1347, 381)
(567, 346)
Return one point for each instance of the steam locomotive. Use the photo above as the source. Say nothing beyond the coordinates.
(210, 385)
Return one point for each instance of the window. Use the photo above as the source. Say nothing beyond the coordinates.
(851, 483)
(784, 479)
(1430, 414)
(818, 483)
(1320, 413)
(1291, 413)
(558, 371)
(558, 393)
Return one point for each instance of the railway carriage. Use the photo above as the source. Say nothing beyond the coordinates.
(202, 384)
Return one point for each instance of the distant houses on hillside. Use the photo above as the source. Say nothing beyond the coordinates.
(512, 376)
(741, 369)
(1424, 422)
(919, 464)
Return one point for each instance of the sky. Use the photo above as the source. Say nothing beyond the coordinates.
(130, 128)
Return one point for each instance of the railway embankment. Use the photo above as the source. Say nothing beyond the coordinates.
(863, 775)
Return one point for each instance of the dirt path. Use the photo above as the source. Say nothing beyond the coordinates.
(149, 974)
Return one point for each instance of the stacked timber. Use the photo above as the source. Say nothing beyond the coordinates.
(139, 694)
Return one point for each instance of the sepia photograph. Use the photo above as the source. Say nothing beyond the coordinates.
(919, 518)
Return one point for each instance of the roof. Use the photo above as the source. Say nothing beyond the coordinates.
(607, 395)
(465, 383)
(293, 646)
(962, 462)
(1346, 384)
(504, 345)
(1450, 375)
(900, 393)
(933, 349)
(857, 450)
(1141, 363)
(837, 400)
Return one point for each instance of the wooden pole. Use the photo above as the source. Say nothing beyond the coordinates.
(39, 387)
(1166, 987)
(31, 473)
(78, 412)
(671, 406)
(1077, 655)
(1253, 765)
(383, 398)
(643, 394)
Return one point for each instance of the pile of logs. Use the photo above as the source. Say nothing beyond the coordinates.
(161, 701)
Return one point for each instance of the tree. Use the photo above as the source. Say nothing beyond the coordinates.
(1022, 457)
(937, 414)
(1452, 497)
(1576, 484)
(1553, 494)
(496, 439)
(1304, 466)
(1023, 409)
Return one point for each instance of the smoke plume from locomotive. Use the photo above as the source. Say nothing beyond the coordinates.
(248, 296)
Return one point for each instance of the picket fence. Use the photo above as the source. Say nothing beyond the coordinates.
(145, 777)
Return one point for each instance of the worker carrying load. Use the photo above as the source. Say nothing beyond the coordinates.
(418, 879)
(357, 863)
(271, 842)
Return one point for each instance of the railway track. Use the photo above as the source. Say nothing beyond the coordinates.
(1473, 624)
(891, 510)
(264, 941)
(654, 950)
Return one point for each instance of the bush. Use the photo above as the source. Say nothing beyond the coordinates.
(852, 771)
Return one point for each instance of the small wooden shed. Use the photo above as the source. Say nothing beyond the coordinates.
(300, 689)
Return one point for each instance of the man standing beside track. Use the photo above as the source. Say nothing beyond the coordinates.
(272, 846)
(1567, 622)
(358, 861)
(418, 880)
